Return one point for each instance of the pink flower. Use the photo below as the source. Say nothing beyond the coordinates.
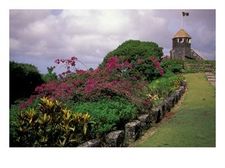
(81, 72)
(73, 58)
(112, 63)
(90, 85)
(156, 64)
(57, 61)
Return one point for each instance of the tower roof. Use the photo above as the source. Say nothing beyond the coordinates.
(182, 33)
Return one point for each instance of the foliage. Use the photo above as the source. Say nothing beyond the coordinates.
(165, 85)
(131, 50)
(107, 114)
(139, 54)
(50, 76)
(55, 89)
(23, 80)
(112, 94)
(171, 65)
(148, 69)
(50, 125)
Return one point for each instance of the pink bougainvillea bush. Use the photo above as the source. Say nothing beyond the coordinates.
(116, 78)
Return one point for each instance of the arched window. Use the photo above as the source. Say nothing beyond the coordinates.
(189, 41)
(182, 40)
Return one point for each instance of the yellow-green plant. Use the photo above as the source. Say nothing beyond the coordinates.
(165, 85)
(51, 125)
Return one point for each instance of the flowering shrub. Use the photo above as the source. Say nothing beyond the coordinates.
(56, 89)
(157, 66)
(90, 85)
(146, 69)
(112, 80)
(139, 55)
(69, 65)
(113, 63)
(27, 103)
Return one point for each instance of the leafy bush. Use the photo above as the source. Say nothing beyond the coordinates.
(148, 69)
(23, 80)
(175, 66)
(132, 50)
(49, 125)
(139, 54)
(107, 114)
(165, 85)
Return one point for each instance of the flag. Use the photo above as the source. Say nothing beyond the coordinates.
(185, 13)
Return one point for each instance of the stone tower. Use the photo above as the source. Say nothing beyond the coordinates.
(181, 47)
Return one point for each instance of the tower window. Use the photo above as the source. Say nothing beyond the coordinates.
(182, 40)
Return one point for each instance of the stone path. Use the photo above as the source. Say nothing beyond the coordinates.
(211, 78)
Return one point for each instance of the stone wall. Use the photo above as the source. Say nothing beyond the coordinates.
(134, 129)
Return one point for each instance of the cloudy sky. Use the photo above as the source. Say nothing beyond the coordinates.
(40, 36)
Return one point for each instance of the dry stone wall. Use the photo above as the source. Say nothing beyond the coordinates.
(134, 129)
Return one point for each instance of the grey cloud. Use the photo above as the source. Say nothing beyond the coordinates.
(41, 36)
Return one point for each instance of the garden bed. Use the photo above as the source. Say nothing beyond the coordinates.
(91, 104)
(117, 100)
(134, 129)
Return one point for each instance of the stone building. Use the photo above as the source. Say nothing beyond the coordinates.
(181, 47)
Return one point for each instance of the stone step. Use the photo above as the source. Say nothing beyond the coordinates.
(209, 73)
(211, 76)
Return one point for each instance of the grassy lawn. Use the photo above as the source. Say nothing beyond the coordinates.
(193, 124)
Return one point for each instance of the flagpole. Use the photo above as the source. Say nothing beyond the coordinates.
(182, 21)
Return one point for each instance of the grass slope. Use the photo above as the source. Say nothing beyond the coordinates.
(193, 125)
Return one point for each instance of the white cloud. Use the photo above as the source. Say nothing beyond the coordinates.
(89, 34)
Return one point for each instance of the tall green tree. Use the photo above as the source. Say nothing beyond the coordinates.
(23, 80)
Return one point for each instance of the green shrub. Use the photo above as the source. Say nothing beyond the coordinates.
(133, 49)
(49, 125)
(138, 53)
(165, 85)
(106, 113)
(175, 66)
(23, 80)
